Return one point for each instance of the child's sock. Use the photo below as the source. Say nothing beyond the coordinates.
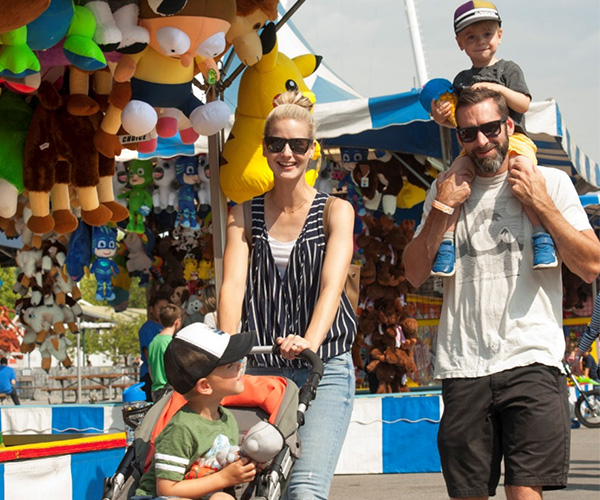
(446, 256)
(544, 253)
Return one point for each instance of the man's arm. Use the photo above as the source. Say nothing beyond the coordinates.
(452, 188)
(579, 250)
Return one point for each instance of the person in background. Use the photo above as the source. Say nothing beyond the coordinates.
(209, 308)
(500, 342)
(204, 365)
(8, 380)
(581, 360)
(170, 319)
(294, 288)
(150, 329)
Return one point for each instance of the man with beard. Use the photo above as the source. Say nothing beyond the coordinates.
(500, 340)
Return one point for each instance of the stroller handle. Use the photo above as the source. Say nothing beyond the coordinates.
(307, 355)
(308, 391)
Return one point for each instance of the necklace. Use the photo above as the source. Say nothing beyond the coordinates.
(290, 210)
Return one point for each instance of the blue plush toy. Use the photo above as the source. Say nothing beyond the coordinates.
(186, 170)
(104, 247)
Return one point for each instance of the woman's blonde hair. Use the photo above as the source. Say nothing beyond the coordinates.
(292, 105)
(210, 298)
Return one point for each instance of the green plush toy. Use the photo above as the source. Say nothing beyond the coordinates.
(62, 20)
(139, 198)
(15, 116)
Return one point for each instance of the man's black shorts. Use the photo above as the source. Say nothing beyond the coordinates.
(521, 415)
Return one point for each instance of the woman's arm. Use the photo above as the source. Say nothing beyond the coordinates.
(333, 277)
(235, 270)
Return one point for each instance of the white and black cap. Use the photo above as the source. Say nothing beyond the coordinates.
(198, 349)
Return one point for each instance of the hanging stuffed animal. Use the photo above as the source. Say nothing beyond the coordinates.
(186, 168)
(165, 193)
(161, 76)
(59, 151)
(244, 171)
(117, 25)
(139, 199)
(17, 14)
(250, 17)
(104, 247)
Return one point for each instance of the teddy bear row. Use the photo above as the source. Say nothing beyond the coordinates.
(84, 79)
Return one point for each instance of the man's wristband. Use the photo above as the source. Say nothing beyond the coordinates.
(442, 207)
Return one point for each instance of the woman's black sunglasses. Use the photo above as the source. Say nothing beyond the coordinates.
(489, 129)
(277, 144)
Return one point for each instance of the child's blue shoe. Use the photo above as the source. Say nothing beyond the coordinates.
(444, 260)
(544, 253)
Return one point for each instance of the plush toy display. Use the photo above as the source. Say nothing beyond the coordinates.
(165, 192)
(186, 170)
(104, 248)
(59, 151)
(161, 75)
(379, 180)
(15, 116)
(62, 19)
(138, 196)
(244, 170)
(192, 308)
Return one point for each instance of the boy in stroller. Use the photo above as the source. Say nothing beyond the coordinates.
(270, 409)
(204, 365)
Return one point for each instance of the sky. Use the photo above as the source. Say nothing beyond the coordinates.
(555, 42)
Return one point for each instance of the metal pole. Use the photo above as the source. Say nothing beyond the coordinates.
(78, 368)
(422, 78)
(417, 45)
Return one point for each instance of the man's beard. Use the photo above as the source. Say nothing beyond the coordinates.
(490, 164)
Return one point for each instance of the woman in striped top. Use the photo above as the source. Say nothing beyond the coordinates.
(294, 288)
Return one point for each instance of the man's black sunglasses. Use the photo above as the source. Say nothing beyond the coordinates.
(489, 129)
(277, 144)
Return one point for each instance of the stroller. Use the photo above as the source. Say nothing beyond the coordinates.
(275, 400)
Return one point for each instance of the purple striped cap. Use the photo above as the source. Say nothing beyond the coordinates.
(473, 12)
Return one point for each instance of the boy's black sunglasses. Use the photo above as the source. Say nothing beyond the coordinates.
(277, 144)
(489, 129)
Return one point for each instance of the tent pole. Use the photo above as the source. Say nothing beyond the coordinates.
(422, 78)
(218, 203)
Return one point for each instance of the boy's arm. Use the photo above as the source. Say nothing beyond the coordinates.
(238, 472)
(516, 101)
(441, 112)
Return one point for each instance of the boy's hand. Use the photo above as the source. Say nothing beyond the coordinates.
(441, 111)
(240, 471)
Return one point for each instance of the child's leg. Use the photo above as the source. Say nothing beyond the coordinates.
(443, 264)
(544, 253)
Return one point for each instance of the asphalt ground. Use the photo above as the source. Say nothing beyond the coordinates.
(584, 478)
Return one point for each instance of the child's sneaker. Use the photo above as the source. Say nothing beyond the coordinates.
(544, 254)
(444, 260)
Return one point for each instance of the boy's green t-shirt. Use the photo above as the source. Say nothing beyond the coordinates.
(156, 351)
(187, 437)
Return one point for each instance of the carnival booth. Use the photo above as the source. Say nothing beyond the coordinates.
(105, 170)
